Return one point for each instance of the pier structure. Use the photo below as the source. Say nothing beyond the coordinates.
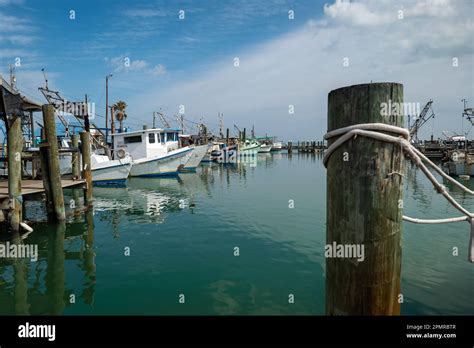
(364, 205)
(306, 146)
(47, 183)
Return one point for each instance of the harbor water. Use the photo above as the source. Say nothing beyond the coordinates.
(240, 239)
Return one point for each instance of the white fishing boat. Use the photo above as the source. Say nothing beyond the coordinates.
(265, 148)
(277, 146)
(200, 151)
(104, 170)
(109, 172)
(248, 148)
(154, 152)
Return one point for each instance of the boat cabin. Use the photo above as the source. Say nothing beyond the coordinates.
(146, 143)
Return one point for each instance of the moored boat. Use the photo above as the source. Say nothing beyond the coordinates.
(277, 146)
(265, 148)
(154, 152)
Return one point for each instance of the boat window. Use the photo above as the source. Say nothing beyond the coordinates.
(170, 136)
(162, 137)
(151, 138)
(133, 139)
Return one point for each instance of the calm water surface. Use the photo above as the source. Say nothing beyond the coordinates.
(182, 234)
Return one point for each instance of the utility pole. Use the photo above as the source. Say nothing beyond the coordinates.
(107, 107)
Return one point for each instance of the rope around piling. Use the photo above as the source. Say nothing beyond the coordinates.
(374, 131)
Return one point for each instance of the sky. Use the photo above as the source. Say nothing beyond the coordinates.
(290, 54)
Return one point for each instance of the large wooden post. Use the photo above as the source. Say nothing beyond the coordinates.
(76, 171)
(14, 148)
(53, 162)
(44, 147)
(86, 167)
(363, 204)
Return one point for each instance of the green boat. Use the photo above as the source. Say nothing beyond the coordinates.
(249, 147)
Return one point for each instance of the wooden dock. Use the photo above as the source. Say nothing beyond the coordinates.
(30, 187)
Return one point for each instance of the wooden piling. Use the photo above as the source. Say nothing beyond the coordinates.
(14, 148)
(44, 148)
(76, 171)
(363, 205)
(86, 167)
(227, 136)
(53, 162)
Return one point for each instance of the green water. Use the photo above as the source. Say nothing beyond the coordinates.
(182, 234)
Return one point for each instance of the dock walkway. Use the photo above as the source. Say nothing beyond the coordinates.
(29, 187)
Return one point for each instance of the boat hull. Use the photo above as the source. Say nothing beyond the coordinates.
(276, 147)
(265, 148)
(162, 165)
(459, 168)
(111, 172)
(196, 157)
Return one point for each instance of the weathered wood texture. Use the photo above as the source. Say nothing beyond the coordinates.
(76, 169)
(14, 147)
(86, 167)
(44, 148)
(53, 162)
(363, 205)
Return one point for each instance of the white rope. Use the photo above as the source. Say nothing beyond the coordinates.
(371, 130)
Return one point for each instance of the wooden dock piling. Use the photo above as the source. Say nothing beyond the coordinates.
(363, 205)
(86, 167)
(53, 162)
(15, 145)
(43, 147)
(76, 171)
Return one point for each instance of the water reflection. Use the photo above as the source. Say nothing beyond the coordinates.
(40, 287)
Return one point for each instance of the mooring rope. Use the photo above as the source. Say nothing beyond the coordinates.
(373, 130)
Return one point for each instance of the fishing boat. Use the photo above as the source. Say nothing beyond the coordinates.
(227, 154)
(265, 148)
(248, 147)
(459, 163)
(277, 146)
(154, 152)
(197, 156)
(109, 172)
(105, 171)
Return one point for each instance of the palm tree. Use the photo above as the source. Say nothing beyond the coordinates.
(119, 109)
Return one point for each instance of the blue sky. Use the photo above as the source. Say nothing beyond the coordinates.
(283, 62)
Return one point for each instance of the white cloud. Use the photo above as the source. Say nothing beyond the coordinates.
(126, 63)
(159, 70)
(358, 14)
(302, 67)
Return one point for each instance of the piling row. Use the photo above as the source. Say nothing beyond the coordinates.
(48, 158)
